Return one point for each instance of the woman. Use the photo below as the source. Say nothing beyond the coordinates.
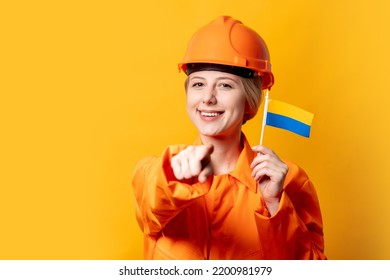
(219, 198)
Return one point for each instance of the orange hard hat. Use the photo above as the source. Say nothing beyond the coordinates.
(226, 43)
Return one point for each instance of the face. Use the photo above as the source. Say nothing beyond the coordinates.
(215, 103)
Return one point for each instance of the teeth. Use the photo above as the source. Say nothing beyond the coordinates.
(206, 114)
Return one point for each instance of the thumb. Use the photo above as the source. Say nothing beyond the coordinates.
(209, 149)
(207, 168)
(206, 153)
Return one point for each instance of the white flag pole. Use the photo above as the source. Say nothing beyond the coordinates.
(264, 116)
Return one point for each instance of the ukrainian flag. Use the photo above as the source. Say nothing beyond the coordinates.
(289, 117)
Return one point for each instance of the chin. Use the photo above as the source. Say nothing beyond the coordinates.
(206, 133)
(209, 133)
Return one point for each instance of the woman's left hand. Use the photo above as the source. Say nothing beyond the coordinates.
(269, 172)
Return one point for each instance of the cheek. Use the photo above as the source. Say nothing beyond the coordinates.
(190, 105)
(192, 100)
(239, 104)
(241, 108)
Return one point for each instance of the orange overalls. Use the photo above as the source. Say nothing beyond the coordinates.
(225, 217)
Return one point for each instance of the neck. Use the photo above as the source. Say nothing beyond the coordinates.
(226, 152)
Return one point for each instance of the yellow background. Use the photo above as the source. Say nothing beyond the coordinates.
(89, 87)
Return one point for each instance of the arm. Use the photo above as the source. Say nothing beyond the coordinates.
(295, 231)
(291, 226)
(159, 195)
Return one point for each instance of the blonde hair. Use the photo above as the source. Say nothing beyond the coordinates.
(253, 95)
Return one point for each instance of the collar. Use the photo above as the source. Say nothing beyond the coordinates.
(242, 171)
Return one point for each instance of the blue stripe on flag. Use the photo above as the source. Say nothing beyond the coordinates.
(288, 124)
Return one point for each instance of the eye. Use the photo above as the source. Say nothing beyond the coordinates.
(197, 84)
(225, 85)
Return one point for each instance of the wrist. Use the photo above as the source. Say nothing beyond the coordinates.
(272, 203)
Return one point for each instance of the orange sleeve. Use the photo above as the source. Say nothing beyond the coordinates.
(159, 195)
(296, 229)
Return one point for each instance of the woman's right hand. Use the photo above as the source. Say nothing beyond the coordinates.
(193, 161)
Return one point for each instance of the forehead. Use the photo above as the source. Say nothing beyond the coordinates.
(210, 74)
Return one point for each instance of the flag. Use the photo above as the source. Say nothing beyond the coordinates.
(286, 116)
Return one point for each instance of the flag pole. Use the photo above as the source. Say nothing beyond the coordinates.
(264, 116)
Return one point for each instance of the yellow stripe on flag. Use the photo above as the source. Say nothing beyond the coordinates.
(291, 111)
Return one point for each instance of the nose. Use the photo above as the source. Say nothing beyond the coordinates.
(209, 97)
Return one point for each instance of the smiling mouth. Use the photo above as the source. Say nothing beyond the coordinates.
(210, 114)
